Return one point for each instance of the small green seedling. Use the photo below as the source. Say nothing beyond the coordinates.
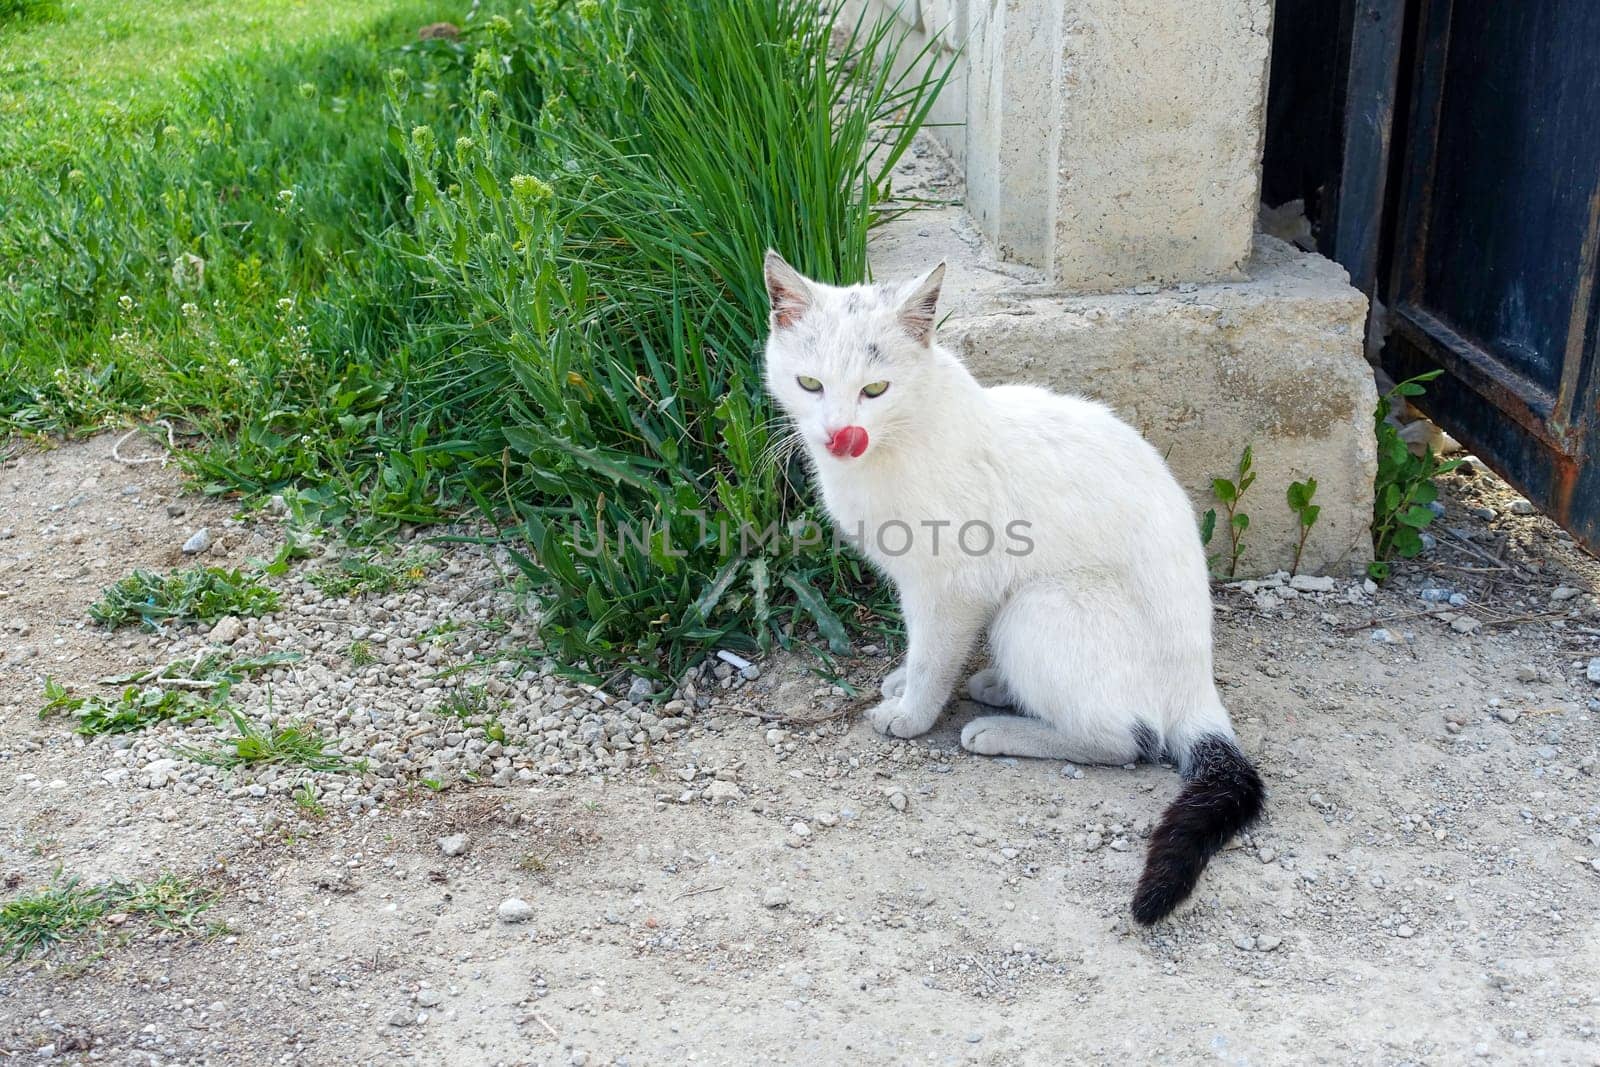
(305, 798)
(1305, 513)
(1230, 493)
(299, 746)
(1404, 488)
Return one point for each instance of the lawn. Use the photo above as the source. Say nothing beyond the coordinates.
(72, 72)
(514, 274)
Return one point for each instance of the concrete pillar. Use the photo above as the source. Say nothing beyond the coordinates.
(1111, 143)
(1110, 152)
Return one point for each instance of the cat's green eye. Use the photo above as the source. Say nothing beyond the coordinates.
(809, 384)
(874, 389)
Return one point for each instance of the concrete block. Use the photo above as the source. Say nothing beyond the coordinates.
(1273, 360)
(1157, 166)
(1107, 142)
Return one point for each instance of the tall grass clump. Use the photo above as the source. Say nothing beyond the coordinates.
(595, 321)
(523, 277)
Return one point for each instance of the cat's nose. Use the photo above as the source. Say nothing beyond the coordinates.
(850, 441)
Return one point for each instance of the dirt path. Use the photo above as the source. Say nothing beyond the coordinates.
(1425, 889)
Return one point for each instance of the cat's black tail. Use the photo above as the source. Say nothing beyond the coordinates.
(1222, 794)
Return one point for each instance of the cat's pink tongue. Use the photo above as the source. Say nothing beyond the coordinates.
(850, 441)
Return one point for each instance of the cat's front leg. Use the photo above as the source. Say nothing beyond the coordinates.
(941, 632)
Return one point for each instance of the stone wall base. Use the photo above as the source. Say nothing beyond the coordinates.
(1273, 361)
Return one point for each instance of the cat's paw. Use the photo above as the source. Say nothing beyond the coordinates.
(892, 718)
(894, 684)
(985, 736)
(986, 688)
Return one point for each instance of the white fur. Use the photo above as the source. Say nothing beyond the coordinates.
(1103, 626)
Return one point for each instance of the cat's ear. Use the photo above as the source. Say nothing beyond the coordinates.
(787, 291)
(917, 307)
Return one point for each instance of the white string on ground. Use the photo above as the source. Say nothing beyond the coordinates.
(116, 449)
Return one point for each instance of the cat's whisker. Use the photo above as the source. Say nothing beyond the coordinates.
(780, 448)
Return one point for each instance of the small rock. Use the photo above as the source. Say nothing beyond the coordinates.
(1527, 673)
(1564, 592)
(775, 897)
(1593, 671)
(1244, 943)
(454, 845)
(276, 505)
(1312, 583)
(719, 791)
(335, 880)
(1267, 942)
(897, 800)
(800, 830)
(198, 542)
(1466, 624)
(1507, 715)
(228, 629)
(1405, 931)
(1092, 842)
(176, 510)
(1266, 855)
(514, 910)
(401, 1017)
(640, 690)
(429, 998)
(827, 818)
(1521, 507)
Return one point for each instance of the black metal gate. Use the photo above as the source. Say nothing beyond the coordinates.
(1449, 154)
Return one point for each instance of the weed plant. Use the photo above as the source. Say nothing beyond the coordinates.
(516, 272)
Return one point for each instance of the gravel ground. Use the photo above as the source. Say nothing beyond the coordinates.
(528, 871)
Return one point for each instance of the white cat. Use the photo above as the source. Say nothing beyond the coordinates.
(1039, 519)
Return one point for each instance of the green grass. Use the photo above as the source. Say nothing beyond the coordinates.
(202, 594)
(169, 902)
(15, 13)
(67, 909)
(360, 576)
(53, 915)
(305, 798)
(75, 72)
(517, 274)
(258, 744)
(473, 705)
